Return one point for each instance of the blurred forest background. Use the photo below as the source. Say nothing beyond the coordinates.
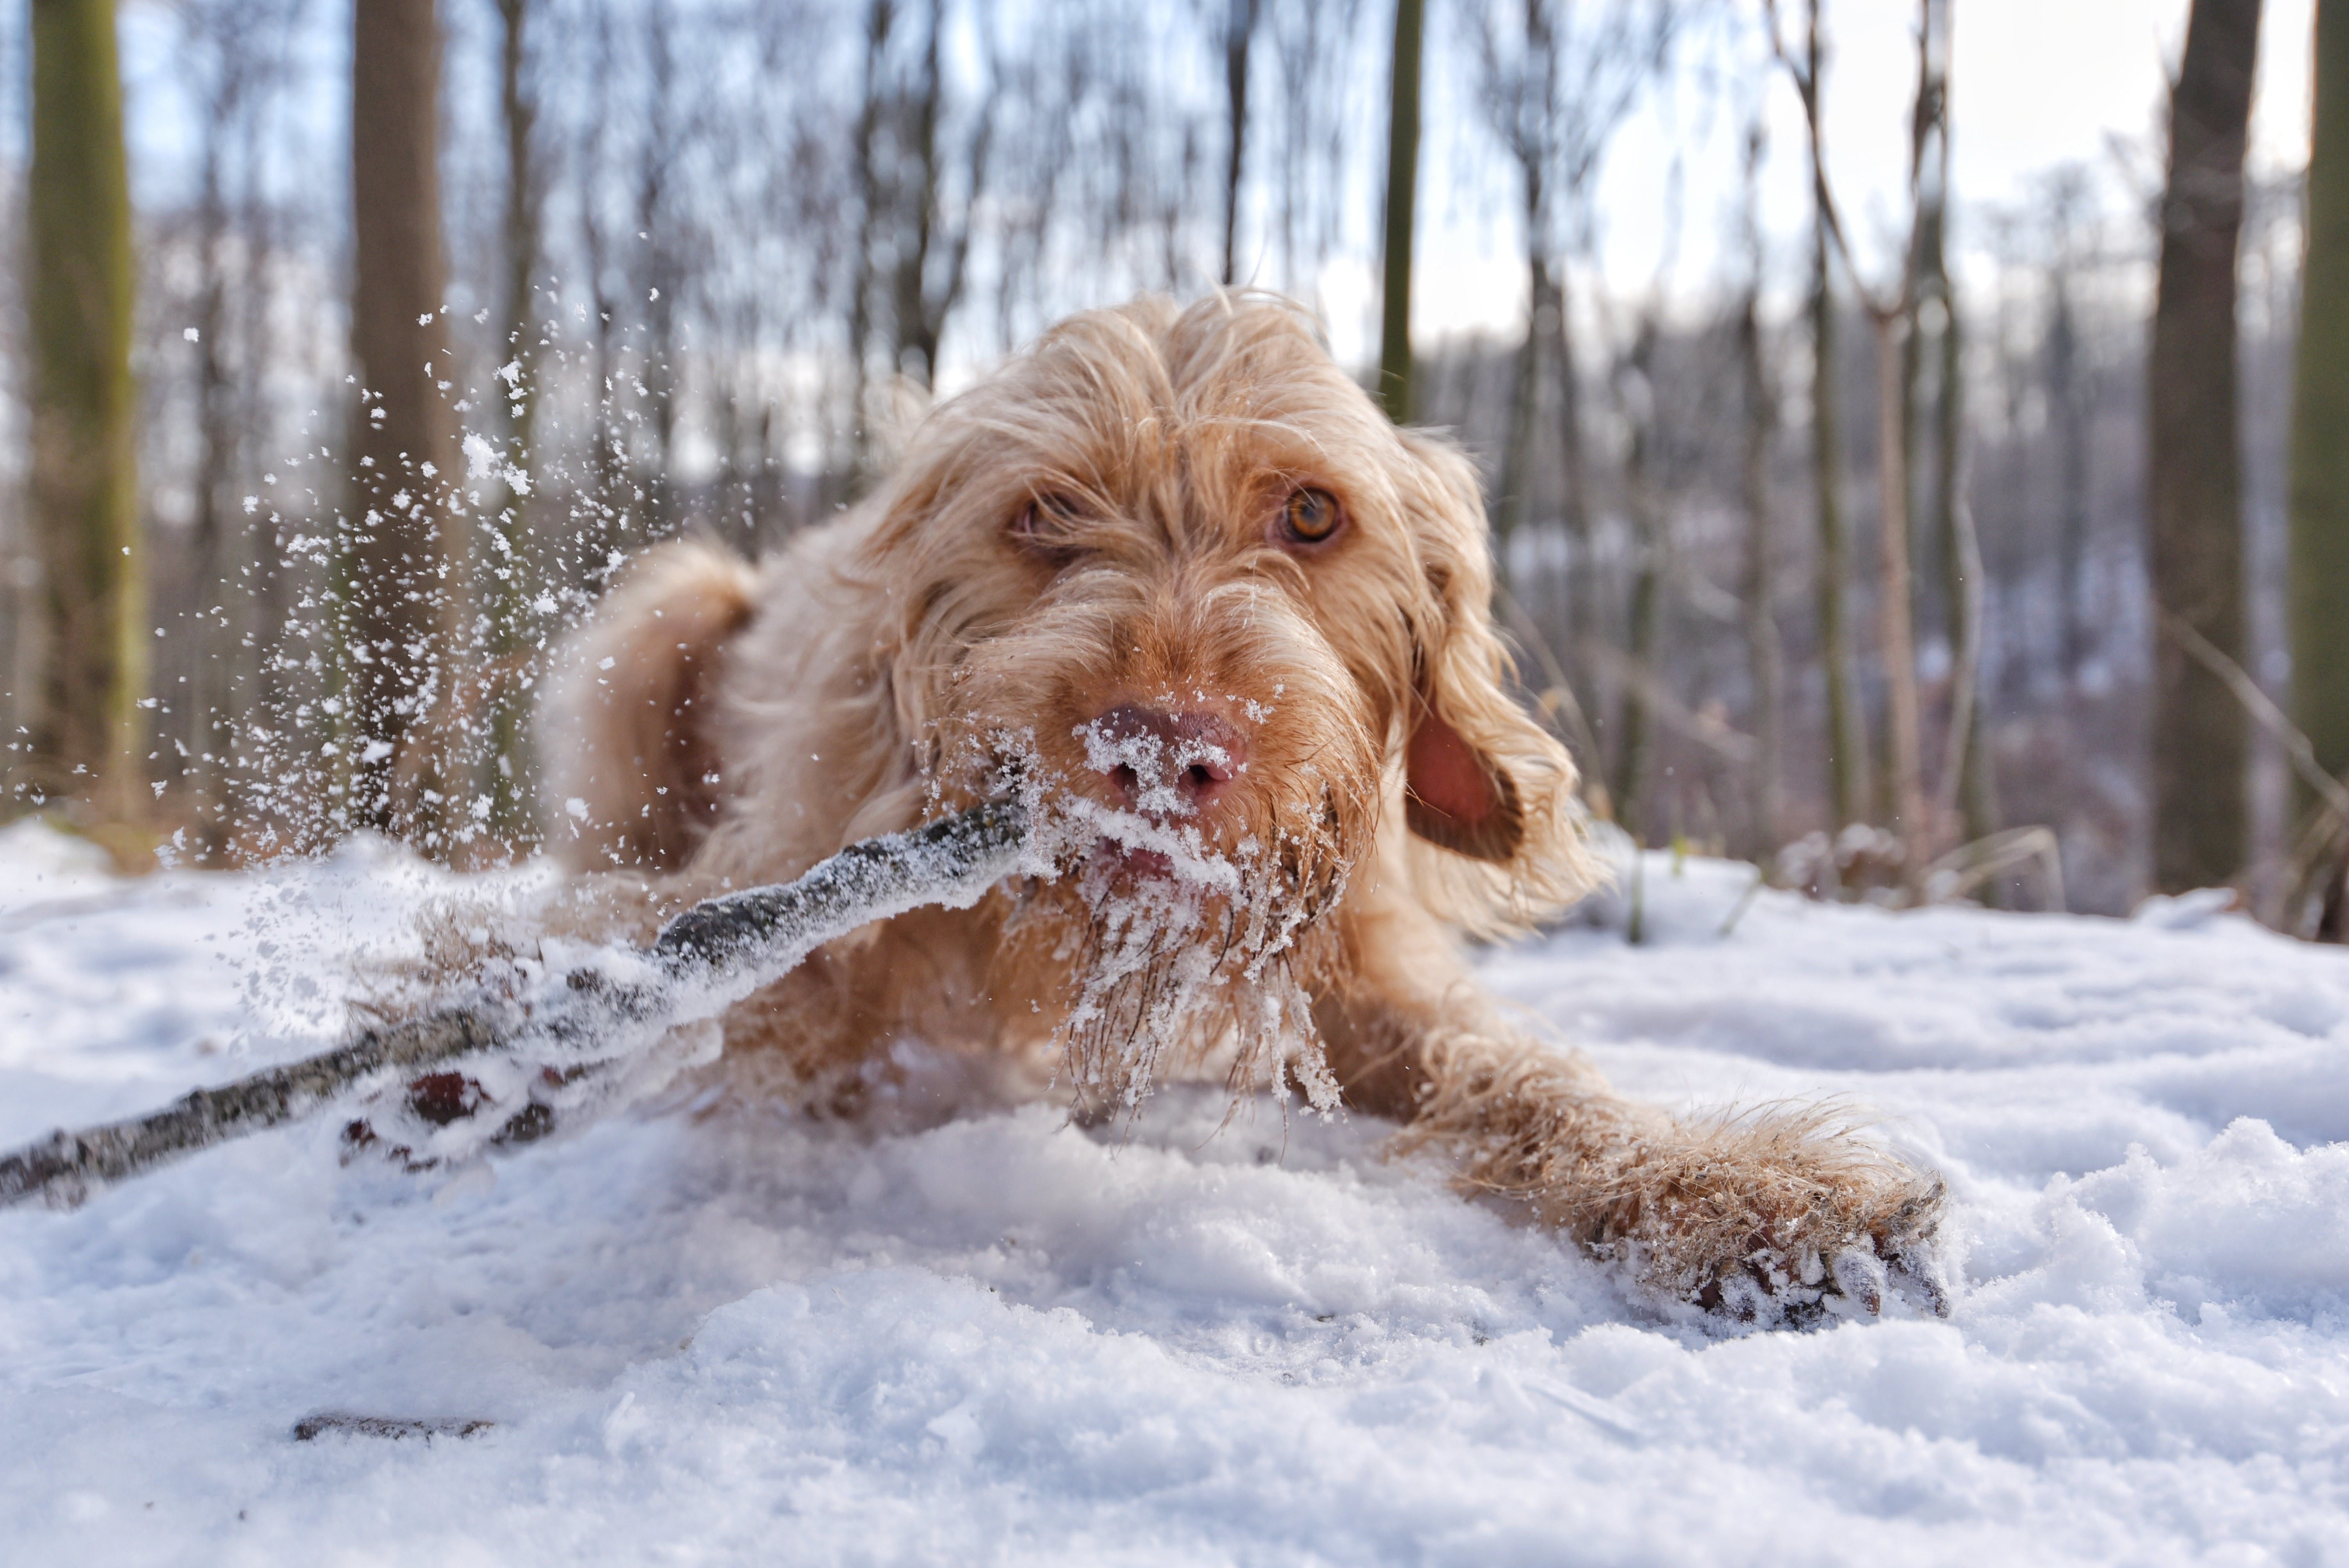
(2017, 587)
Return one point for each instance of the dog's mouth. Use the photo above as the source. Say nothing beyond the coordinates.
(1133, 862)
(1181, 933)
(1132, 848)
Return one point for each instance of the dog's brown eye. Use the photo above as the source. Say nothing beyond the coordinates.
(1311, 516)
(1042, 523)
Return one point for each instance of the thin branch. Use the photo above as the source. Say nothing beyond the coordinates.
(2261, 708)
(1715, 734)
(1882, 311)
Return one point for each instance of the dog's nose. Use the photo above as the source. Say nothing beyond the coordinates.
(1165, 764)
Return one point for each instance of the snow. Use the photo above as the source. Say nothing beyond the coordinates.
(715, 1335)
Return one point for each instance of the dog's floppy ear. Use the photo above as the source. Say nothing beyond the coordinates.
(1486, 788)
(1457, 797)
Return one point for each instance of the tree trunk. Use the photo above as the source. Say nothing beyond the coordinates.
(405, 545)
(871, 194)
(508, 565)
(934, 263)
(2194, 490)
(915, 340)
(1634, 736)
(1846, 737)
(2319, 417)
(1580, 587)
(1238, 34)
(1896, 632)
(1395, 374)
(660, 283)
(84, 499)
(2067, 407)
(1525, 396)
(1967, 782)
(518, 111)
(1922, 391)
(209, 724)
(607, 440)
(1760, 606)
(1971, 785)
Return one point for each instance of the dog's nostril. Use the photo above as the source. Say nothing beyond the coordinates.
(1128, 782)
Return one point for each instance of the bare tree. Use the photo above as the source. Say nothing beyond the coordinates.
(934, 244)
(513, 819)
(84, 406)
(1888, 314)
(592, 166)
(2320, 431)
(919, 194)
(1554, 89)
(233, 40)
(518, 118)
(2193, 476)
(404, 547)
(1759, 600)
(1238, 35)
(2066, 199)
(662, 241)
(1395, 371)
(1847, 732)
(1935, 317)
(1315, 41)
(1635, 397)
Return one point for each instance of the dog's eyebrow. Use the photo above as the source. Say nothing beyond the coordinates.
(1250, 423)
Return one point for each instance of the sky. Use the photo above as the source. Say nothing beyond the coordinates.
(2034, 84)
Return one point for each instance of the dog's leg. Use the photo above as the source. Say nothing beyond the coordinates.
(1764, 1217)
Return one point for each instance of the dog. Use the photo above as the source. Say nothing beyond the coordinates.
(1172, 575)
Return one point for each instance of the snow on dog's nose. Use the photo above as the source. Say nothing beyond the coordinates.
(1165, 764)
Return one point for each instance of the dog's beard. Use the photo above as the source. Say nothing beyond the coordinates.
(1170, 972)
(1179, 954)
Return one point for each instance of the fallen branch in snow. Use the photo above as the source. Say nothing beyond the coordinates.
(586, 1034)
(310, 1428)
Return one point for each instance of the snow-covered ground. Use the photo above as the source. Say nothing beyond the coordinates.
(736, 1337)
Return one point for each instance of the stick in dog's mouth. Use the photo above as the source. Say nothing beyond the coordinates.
(552, 1044)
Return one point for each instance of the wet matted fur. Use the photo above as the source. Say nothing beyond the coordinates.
(1171, 574)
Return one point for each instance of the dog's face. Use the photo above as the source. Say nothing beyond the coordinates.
(1181, 574)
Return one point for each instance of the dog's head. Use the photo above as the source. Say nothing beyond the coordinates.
(1185, 564)
(1177, 572)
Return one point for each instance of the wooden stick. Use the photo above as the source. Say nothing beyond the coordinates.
(706, 959)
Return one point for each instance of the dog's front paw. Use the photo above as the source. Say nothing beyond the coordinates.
(1777, 1224)
(1764, 1291)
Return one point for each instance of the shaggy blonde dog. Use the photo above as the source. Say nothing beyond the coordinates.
(1172, 576)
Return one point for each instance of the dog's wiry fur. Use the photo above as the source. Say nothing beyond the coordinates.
(1091, 532)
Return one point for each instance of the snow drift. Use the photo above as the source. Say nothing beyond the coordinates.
(722, 1335)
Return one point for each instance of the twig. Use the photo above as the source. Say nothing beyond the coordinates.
(2321, 842)
(1715, 735)
(1745, 901)
(586, 1020)
(2262, 709)
(1968, 866)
